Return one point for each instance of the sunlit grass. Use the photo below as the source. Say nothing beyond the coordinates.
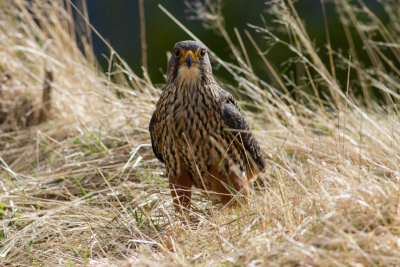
(83, 187)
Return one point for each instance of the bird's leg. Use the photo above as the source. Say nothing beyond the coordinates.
(240, 190)
(229, 185)
(181, 191)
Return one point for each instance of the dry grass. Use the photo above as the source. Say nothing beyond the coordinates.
(83, 188)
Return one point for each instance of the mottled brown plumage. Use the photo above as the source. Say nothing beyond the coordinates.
(198, 131)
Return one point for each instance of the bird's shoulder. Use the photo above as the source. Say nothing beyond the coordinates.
(232, 117)
(155, 137)
(158, 119)
(230, 111)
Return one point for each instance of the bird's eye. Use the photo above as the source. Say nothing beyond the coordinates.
(202, 53)
(177, 52)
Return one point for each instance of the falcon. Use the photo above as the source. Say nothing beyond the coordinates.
(200, 134)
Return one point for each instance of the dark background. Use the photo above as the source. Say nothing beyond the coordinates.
(118, 22)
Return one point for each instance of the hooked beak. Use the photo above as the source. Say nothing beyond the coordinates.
(189, 58)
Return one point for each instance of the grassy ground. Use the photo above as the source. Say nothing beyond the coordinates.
(80, 186)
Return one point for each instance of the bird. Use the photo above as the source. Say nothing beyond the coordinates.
(198, 131)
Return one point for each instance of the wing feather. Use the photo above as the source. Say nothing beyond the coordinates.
(236, 123)
(154, 139)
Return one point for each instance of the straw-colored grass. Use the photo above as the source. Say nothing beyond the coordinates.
(83, 187)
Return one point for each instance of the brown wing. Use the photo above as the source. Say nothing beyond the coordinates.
(154, 138)
(235, 122)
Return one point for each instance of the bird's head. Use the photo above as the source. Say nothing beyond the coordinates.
(189, 63)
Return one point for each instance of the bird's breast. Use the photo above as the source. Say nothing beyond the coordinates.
(192, 117)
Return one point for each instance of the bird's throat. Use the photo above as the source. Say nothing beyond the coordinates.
(188, 76)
